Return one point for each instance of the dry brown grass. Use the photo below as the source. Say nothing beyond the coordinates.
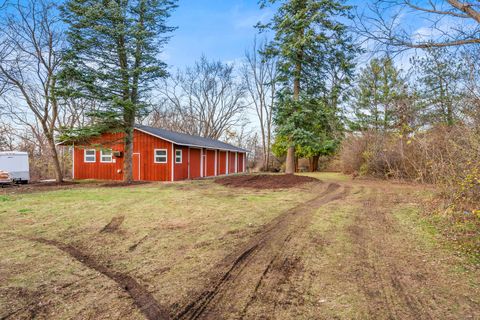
(448, 157)
(171, 234)
(360, 250)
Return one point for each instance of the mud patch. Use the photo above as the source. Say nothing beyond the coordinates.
(113, 225)
(265, 181)
(290, 265)
(124, 184)
(145, 301)
(136, 244)
(235, 282)
(28, 304)
(34, 187)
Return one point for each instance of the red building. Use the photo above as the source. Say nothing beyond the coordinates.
(158, 155)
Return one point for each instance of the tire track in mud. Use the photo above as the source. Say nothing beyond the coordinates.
(244, 271)
(144, 300)
(378, 273)
(284, 263)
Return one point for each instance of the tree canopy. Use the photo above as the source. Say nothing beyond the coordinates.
(114, 58)
(315, 59)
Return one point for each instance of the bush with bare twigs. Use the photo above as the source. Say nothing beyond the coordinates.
(447, 156)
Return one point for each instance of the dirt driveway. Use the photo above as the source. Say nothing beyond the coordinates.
(366, 261)
(353, 250)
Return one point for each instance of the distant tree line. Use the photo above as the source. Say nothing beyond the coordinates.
(318, 73)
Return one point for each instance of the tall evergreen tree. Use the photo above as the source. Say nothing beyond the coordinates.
(114, 59)
(441, 78)
(379, 87)
(310, 42)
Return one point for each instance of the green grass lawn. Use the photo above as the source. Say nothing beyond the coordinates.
(181, 229)
(174, 234)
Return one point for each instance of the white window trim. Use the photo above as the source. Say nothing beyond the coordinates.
(155, 156)
(85, 155)
(102, 155)
(176, 156)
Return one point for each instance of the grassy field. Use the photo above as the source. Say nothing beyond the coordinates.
(337, 249)
(181, 230)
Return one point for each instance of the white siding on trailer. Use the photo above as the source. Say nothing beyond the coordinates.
(16, 164)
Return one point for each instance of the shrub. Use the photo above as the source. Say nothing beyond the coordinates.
(448, 157)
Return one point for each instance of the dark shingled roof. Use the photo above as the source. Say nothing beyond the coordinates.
(183, 139)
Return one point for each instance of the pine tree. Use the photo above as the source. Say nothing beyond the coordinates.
(379, 87)
(440, 78)
(113, 58)
(315, 55)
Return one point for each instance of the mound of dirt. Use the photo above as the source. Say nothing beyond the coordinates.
(265, 181)
(118, 184)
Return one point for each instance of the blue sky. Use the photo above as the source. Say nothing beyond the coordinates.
(224, 29)
(220, 29)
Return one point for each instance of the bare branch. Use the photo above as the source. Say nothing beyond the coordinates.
(206, 100)
(382, 22)
(260, 75)
(30, 48)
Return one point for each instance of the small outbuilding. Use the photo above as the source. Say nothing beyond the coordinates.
(158, 155)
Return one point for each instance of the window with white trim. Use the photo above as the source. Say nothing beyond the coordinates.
(160, 156)
(106, 155)
(89, 155)
(178, 156)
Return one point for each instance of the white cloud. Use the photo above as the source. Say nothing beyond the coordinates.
(248, 19)
(423, 34)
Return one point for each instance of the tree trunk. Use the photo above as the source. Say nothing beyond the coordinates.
(290, 163)
(450, 119)
(56, 161)
(264, 146)
(269, 142)
(314, 163)
(129, 119)
(128, 159)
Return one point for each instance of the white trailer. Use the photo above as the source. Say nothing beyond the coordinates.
(16, 164)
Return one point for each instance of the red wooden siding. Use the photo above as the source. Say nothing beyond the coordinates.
(240, 162)
(222, 162)
(195, 167)
(210, 163)
(99, 170)
(146, 144)
(231, 162)
(215, 162)
(143, 147)
(181, 169)
(136, 163)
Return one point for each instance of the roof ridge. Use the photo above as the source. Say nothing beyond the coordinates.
(178, 132)
(170, 136)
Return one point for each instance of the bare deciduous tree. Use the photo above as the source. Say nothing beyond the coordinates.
(260, 75)
(206, 100)
(471, 99)
(30, 59)
(452, 23)
(7, 139)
